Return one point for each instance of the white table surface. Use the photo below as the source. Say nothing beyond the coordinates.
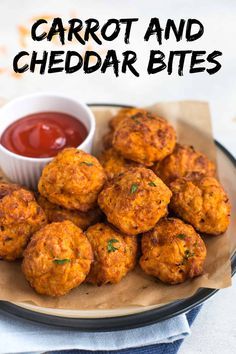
(215, 328)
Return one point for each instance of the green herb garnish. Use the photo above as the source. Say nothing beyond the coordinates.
(61, 261)
(86, 163)
(187, 254)
(152, 184)
(135, 118)
(110, 247)
(133, 188)
(181, 236)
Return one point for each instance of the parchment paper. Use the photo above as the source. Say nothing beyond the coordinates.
(193, 125)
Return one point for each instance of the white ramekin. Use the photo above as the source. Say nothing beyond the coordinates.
(27, 170)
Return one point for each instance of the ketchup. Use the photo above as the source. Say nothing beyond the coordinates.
(43, 134)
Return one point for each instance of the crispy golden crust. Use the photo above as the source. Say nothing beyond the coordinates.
(72, 180)
(183, 160)
(202, 202)
(57, 259)
(135, 200)
(144, 138)
(114, 254)
(20, 217)
(57, 213)
(114, 164)
(124, 113)
(172, 251)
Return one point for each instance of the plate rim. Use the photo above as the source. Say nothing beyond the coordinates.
(117, 323)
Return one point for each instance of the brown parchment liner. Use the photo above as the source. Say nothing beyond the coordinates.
(193, 125)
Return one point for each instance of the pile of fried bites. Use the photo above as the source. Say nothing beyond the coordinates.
(88, 218)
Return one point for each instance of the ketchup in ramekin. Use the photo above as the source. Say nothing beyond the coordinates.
(43, 134)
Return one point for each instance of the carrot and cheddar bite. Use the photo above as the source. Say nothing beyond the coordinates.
(57, 213)
(183, 160)
(144, 138)
(124, 113)
(173, 252)
(20, 217)
(57, 259)
(135, 200)
(202, 202)
(114, 163)
(114, 254)
(73, 179)
(114, 122)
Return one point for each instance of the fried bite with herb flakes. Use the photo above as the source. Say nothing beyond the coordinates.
(114, 164)
(73, 179)
(202, 202)
(135, 200)
(123, 113)
(57, 213)
(57, 259)
(144, 138)
(114, 254)
(173, 252)
(20, 217)
(183, 160)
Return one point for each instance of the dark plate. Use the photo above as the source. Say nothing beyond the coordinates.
(123, 322)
